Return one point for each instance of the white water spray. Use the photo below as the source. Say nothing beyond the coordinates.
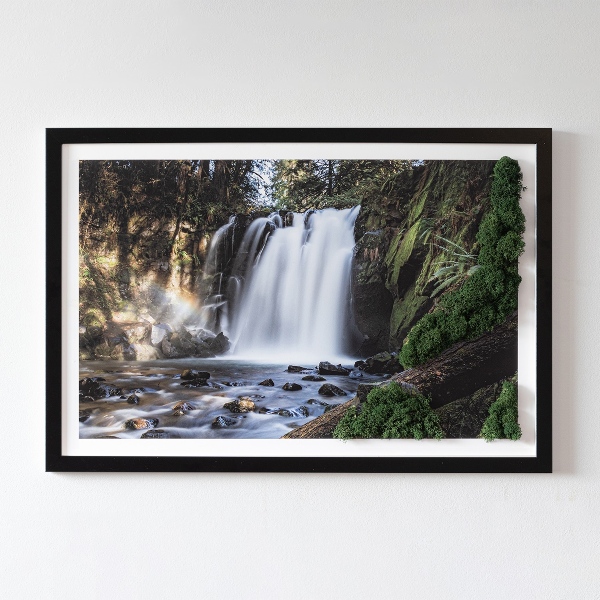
(290, 297)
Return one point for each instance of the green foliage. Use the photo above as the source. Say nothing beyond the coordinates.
(489, 294)
(502, 422)
(300, 185)
(390, 412)
(459, 265)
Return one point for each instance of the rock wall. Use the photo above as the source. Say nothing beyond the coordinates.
(398, 248)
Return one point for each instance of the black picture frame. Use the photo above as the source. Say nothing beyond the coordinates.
(57, 461)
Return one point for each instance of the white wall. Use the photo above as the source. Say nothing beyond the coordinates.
(434, 63)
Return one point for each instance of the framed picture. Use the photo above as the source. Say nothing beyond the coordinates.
(326, 300)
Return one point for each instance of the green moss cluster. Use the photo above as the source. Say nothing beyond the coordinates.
(490, 294)
(390, 412)
(502, 422)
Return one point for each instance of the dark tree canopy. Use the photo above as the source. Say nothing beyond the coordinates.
(320, 183)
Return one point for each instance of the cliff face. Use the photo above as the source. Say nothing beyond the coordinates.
(405, 238)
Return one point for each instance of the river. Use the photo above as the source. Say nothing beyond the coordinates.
(157, 386)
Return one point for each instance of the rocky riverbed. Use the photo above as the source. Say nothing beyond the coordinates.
(208, 398)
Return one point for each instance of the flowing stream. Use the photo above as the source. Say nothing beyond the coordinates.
(160, 389)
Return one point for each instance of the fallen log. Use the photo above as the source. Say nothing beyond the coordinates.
(467, 366)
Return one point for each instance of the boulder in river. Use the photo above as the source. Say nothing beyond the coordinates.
(219, 344)
(384, 362)
(240, 406)
(170, 350)
(141, 423)
(222, 421)
(297, 369)
(156, 434)
(133, 399)
(326, 368)
(313, 378)
(181, 408)
(193, 374)
(328, 389)
(267, 383)
(84, 415)
(292, 387)
(301, 411)
(90, 387)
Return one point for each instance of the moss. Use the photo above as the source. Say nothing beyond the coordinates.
(400, 251)
(390, 412)
(404, 313)
(502, 422)
(489, 295)
(93, 318)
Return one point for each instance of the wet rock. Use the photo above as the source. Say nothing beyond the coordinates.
(355, 374)
(240, 406)
(313, 378)
(84, 415)
(136, 333)
(141, 423)
(202, 350)
(234, 383)
(170, 350)
(384, 362)
(326, 368)
(328, 389)
(264, 410)
(222, 421)
(133, 399)
(325, 405)
(359, 364)
(292, 387)
(267, 382)
(90, 387)
(219, 345)
(181, 343)
(248, 399)
(192, 378)
(156, 434)
(197, 383)
(159, 332)
(296, 369)
(181, 408)
(301, 411)
(146, 352)
(192, 374)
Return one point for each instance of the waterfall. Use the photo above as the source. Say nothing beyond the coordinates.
(288, 295)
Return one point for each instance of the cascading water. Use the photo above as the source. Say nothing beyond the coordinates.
(288, 296)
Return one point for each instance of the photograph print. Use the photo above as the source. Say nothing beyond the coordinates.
(299, 298)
